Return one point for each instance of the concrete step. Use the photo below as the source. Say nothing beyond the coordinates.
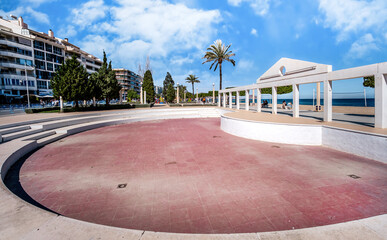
(13, 129)
(50, 139)
(38, 136)
(15, 135)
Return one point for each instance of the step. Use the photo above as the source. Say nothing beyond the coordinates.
(11, 136)
(50, 139)
(13, 129)
(38, 136)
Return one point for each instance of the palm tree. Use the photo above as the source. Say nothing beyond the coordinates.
(217, 53)
(192, 79)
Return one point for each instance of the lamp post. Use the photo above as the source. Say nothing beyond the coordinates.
(177, 93)
(28, 93)
(213, 93)
(197, 95)
(185, 95)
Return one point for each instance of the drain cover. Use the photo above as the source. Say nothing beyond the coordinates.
(122, 185)
(216, 136)
(353, 176)
(275, 146)
(169, 163)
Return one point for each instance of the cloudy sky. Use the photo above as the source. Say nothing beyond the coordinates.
(176, 33)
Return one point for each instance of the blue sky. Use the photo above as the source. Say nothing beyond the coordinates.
(176, 33)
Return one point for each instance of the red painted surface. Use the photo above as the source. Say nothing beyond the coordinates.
(188, 176)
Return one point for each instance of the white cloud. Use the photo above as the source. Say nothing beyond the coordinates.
(67, 32)
(28, 12)
(254, 32)
(245, 64)
(37, 3)
(260, 7)
(181, 60)
(362, 47)
(352, 16)
(88, 13)
(135, 29)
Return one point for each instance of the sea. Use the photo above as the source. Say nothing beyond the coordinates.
(354, 102)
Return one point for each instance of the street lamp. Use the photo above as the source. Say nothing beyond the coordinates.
(177, 93)
(197, 95)
(213, 93)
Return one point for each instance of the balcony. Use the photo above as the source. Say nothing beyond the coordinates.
(15, 44)
(9, 53)
(16, 65)
(18, 75)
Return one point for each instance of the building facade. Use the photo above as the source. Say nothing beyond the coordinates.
(35, 56)
(128, 80)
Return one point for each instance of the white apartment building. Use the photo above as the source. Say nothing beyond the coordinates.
(39, 54)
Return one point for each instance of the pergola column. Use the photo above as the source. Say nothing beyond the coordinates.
(327, 101)
(219, 99)
(253, 97)
(259, 97)
(274, 100)
(296, 100)
(224, 99)
(380, 101)
(247, 99)
(237, 100)
(230, 100)
(141, 96)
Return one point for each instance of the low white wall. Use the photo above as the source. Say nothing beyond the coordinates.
(373, 146)
(369, 145)
(273, 132)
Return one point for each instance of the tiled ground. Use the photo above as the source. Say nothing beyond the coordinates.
(188, 176)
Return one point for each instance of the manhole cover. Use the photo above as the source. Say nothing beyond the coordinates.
(353, 176)
(169, 163)
(122, 185)
(275, 146)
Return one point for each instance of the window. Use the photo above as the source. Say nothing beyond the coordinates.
(49, 57)
(41, 84)
(48, 47)
(50, 67)
(39, 55)
(56, 67)
(57, 50)
(40, 65)
(31, 83)
(23, 52)
(39, 45)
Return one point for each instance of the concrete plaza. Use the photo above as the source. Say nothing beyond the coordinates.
(188, 176)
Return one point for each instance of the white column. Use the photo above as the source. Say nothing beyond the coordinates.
(219, 99)
(247, 99)
(296, 100)
(259, 99)
(274, 100)
(145, 97)
(224, 99)
(230, 100)
(327, 101)
(61, 103)
(380, 101)
(213, 93)
(253, 97)
(141, 96)
(178, 97)
(237, 100)
(318, 97)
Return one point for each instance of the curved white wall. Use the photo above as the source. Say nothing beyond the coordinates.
(369, 145)
(273, 132)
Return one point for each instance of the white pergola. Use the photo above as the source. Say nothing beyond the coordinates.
(296, 72)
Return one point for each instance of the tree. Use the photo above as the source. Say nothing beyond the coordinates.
(280, 90)
(71, 81)
(192, 79)
(106, 81)
(168, 80)
(148, 86)
(131, 94)
(170, 93)
(369, 81)
(182, 89)
(217, 53)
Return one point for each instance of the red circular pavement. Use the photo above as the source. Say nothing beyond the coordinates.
(186, 175)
